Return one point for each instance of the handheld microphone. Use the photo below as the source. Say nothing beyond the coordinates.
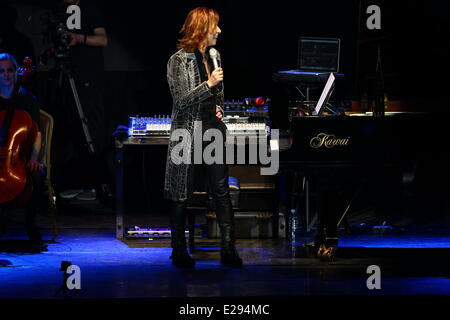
(213, 55)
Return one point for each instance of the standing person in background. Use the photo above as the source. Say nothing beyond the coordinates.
(86, 62)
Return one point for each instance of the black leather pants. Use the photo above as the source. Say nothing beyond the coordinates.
(219, 190)
(217, 175)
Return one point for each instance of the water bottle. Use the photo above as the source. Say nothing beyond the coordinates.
(293, 225)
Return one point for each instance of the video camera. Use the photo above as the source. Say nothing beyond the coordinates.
(57, 35)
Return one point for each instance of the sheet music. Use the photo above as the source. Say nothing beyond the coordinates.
(325, 94)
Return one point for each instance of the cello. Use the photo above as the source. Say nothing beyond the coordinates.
(17, 135)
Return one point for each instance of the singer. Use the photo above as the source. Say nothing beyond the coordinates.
(195, 80)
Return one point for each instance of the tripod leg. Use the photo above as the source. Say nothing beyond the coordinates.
(83, 118)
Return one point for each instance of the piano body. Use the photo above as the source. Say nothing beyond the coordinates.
(354, 156)
(340, 158)
(354, 140)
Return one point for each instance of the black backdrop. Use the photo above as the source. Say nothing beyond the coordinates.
(259, 38)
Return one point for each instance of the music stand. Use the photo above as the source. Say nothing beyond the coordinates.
(323, 104)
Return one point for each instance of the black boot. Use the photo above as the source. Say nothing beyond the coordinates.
(225, 217)
(228, 254)
(220, 191)
(180, 256)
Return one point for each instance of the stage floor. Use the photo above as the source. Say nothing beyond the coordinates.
(410, 264)
(135, 277)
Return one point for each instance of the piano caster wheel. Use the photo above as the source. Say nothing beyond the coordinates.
(326, 253)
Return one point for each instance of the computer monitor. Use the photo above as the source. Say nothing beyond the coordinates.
(326, 93)
(318, 54)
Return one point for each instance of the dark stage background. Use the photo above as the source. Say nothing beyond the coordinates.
(259, 38)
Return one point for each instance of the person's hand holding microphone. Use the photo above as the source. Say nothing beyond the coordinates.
(217, 75)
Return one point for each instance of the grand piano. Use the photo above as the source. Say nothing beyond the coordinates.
(343, 158)
(339, 157)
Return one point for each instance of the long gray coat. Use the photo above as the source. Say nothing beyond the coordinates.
(188, 93)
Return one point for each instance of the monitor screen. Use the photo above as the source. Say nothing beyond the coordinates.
(318, 54)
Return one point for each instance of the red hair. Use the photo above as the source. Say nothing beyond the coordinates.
(199, 22)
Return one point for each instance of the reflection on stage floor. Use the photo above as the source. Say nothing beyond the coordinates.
(410, 264)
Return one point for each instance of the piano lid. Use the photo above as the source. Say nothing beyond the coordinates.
(296, 76)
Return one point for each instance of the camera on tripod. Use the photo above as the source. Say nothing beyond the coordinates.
(63, 41)
(57, 35)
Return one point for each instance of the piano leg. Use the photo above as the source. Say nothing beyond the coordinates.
(332, 191)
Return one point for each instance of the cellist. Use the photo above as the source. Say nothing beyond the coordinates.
(12, 95)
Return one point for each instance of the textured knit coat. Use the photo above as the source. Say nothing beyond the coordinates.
(188, 93)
